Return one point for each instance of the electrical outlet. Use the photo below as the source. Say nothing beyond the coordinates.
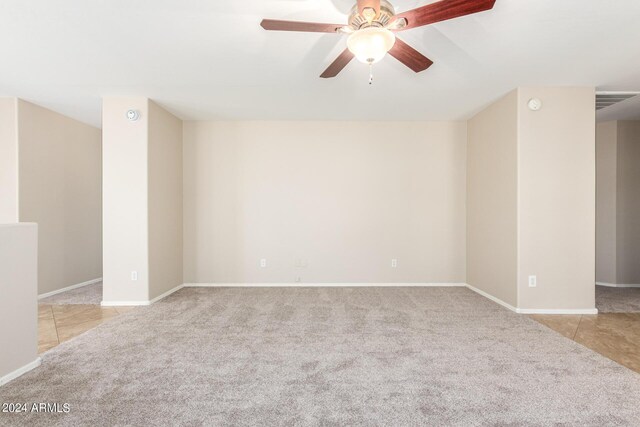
(134, 276)
(394, 263)
(533, 281)
(263, 263)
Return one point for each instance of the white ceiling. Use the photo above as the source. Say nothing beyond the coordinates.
(211, 60)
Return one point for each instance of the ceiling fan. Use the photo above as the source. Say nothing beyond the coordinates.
(371, 28)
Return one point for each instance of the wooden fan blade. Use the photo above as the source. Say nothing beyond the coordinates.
(373, 4)
(409, 56)
(338, 65)
(443, 10)
(306, 27)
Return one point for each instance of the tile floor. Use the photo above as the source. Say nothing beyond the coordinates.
(60, 323)
(614, 335)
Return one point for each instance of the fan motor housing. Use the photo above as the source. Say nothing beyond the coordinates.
(387, 12)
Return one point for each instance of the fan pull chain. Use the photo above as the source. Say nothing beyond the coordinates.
(371, 73)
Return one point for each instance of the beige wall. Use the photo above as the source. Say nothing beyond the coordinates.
(606, 181)
(18, 301)
(492, 200)
(60, 190)
(533, 173)
(125, 199)
(628, 203)
(142, 187)
(556, 198)
(8, 160)
(324, 202)
(165, 201)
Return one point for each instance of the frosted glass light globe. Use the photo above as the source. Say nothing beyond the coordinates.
(370, 45)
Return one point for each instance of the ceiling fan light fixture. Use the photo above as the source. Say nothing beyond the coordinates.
(371, 44)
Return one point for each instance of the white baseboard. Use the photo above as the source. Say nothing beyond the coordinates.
(20, 371)
(335, 285)
(617, 285)
(534, 310)
(558, 311)
(68, 288)
(478, 291)
(124, 303)
(166, 294)
(140, 303)
(318, 285)
(492, 298)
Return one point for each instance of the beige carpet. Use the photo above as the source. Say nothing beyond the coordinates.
(617, 300)
(326, 356)
(90, 294)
